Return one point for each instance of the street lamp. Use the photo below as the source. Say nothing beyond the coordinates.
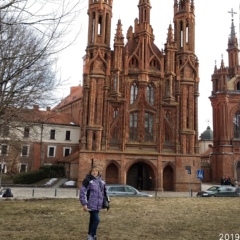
(0, 176)
(0, 169)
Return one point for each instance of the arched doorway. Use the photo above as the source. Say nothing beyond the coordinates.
(112, 174)
(140, 175)
(238, 171)
(168, 177)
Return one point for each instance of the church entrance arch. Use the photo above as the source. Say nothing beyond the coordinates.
(141, 176)
(238, 171)
(168, 178)
(112, 175)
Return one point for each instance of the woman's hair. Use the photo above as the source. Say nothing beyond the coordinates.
(95, 168)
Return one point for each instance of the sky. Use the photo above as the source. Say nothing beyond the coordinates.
(212, 29)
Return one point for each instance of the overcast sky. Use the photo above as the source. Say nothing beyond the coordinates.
(213, 24)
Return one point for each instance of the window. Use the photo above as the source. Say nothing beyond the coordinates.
(68, 135)
(52, 134)
(5, 131)
(181, 34)
(133, 126)
(26, 132)
(168, 116)
(148, 127)
(99, 25)
(23, 168)
(66, 151)
(115, 113)
(51, 151)
(4, 149)
(3, 168)
(134, 92)
(133, 63)
(25, 151)
(150, 94)
(115, 83)
(236, 122)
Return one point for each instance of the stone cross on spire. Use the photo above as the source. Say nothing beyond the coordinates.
(232, 12)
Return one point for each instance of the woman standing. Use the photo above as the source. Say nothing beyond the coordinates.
(91, 197)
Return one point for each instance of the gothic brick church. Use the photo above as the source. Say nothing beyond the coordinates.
(225, 100)
(140, 103)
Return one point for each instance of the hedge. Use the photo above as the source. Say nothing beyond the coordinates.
(47, 171)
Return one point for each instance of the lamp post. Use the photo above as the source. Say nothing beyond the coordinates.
(0, 176)
(1, 169)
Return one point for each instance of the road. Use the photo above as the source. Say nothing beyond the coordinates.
(51, 192)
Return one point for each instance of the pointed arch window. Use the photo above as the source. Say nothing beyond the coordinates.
(115, 113)
(134, 92)
(236, 124)
(133, 62)
(154, 64)
(181, 34)
(133, 126)
(187, 33)
(150, 94)
(168, 116)
(115, 82)
(167, 87)
(148, 125)
(93, 27)
(100, 25)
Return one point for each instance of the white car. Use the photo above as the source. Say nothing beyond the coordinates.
(122, 190)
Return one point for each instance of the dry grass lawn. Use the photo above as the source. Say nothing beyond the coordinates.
(128, 219)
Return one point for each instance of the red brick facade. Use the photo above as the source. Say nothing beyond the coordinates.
(140, 103)
(225, 100)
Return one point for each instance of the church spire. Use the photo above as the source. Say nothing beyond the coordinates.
(233, 50)
(99, 24)
(144, 11)
(119, 35)
(184, 25)
(232, 37)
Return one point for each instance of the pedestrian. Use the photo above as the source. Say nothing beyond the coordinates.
(223, 180)
(91, 198)
(236, 183)
(150, 183)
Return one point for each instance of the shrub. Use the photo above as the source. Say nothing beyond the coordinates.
(47, 171)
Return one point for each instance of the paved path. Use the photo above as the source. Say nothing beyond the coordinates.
(52, 192)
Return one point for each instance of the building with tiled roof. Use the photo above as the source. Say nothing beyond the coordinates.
(72, 103)
(42, 137)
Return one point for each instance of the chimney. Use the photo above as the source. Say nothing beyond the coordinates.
(48, 109)
(35, 107)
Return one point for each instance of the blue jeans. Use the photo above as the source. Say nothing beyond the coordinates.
(93, 223)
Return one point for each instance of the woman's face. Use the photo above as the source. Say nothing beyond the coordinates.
(94, 172)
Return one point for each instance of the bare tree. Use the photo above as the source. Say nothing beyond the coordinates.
(31, 35)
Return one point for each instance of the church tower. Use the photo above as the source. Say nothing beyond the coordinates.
(139, 121)
(187, 79)
(225, 100)
(96, 74)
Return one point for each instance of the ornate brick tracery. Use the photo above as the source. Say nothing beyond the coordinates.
(154, 90)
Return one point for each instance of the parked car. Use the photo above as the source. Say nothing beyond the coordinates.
(6, 192)
(220, 191)
(122, 190)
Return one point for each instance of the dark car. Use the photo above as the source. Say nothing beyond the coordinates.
(220, 191)
(6, 192)
(122, 190)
